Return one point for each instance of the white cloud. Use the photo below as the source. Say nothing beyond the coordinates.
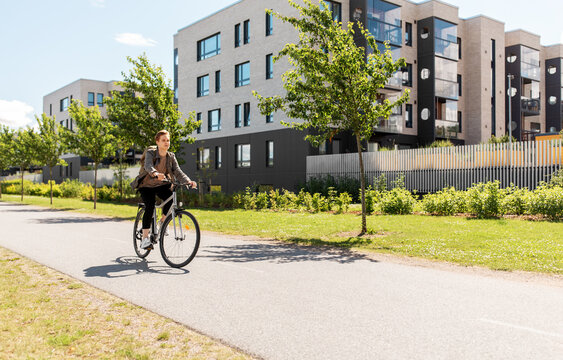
(98, 3)
(134, 39)
(16, 114)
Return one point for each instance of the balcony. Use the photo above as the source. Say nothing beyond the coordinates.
(446, 49)
(447, 129)
(396, 81)
(530, 107)
(447, 89)
(392, 125)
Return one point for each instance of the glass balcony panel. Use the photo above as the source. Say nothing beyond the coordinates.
(445, 30)
(385, 32)
(396, 80)
(446, 49)
(384, 11)
(530, 71)
(530, 56)
(392, 125)
(446, 110)
(446, 69)
(446, 89)
(447, 129)
(395, 51)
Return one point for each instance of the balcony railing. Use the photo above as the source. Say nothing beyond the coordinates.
(447, 89)
(446, 49)
(385, 32)
(447, 129)
(392, 125)
(530, 107)
(396, 81)
(530, 71)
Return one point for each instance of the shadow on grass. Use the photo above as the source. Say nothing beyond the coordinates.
(125, 266)
(284, 253)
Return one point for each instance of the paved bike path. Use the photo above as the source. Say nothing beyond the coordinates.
(286, 302)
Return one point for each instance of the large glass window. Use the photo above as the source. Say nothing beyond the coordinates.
(408, 116)
(395, 50)
(214, 120)
(408, 34)
(269, 24)
(446, 39)
(203, 85)
(246, 31)
(202, 158)
(269, 153)
(242, 156)
(269, 66)
(246, 114)
(100, 100)
(209, 47)
(64, 104)
(91, 99)
(237, 35)
(198, 118)
(407, 75)
(384, 21)
(446, 78)
(270, 118)
(238, 115)
(218, 157)
(530, 62)
(217, 81)
(242, 74)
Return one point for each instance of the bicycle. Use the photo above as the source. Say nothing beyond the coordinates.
(179, 241)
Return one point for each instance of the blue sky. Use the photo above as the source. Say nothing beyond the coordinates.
(47, 44)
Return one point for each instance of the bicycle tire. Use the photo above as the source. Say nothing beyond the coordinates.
(178, 251)
(138, 235)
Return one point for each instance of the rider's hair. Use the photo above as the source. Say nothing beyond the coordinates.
(160, 133)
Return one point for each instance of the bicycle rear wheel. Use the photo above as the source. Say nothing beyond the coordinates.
(138, 235)
(179, 239)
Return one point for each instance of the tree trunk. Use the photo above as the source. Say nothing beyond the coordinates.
(51, 182)
(21, 169)
(363, 184)
(95, 184)
(121, 174)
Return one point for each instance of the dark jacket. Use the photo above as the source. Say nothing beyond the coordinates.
(152, 159)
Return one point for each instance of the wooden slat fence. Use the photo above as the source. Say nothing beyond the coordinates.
(524, 164)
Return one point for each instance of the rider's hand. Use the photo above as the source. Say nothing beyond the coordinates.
(192, 184)
(160, 176)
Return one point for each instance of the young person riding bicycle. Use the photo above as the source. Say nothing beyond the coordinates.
(157, 171)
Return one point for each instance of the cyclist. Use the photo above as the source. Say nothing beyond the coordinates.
(157, 170)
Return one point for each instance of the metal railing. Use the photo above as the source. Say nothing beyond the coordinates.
(524, 164)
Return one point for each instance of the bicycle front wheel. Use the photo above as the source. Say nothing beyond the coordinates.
(179, 239)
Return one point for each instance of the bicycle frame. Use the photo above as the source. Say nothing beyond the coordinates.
(172, 211)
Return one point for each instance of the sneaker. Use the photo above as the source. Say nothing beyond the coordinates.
(146, 243)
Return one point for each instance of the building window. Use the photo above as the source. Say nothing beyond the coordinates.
(90, 99)
(242, 156)
(246, 114)
(50, 109)
(322, 148)
(459, 48)
(238, 116)
(408, 116)
(459, 120)
(269, 153)
(335, 9)
(407, 75)
(218, 81)
(246, 30)
(198, 118)
(64, 104)
(100, 100)
(218, 157)
(202, 158)
(384, 22)
(203, 86)
(214, 120)
(408, 34)
(209, 47)
(270, 118)
(459, 84)
(269, 66)
(445, 39)
(242, 74)
(269, 24)
(237, 35)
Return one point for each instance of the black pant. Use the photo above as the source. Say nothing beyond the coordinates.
(148, 195)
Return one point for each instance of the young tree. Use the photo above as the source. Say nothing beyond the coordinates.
(333, 87)
(93, 138)
(123, 143)
(50, 145)
(24, 151)
(146, 106)
(6, 149)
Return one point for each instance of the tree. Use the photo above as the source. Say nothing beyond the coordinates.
(146, 106)
(6, 149)
(24, 151)
(332, 86)
(122, 144)
(94, 137)
(49, 146)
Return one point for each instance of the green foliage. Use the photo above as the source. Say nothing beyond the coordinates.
(398, 201)
(6, 149)
(380, 183)
(556, 179)
(147, 106)
(323, 185)
(343, 202)
(547, 201)
(24, 154)
(515, 201)
(501, 139)
(445, 202)
(441, 144)
(484, 200)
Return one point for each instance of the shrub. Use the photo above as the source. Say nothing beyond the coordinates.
(484, 200)
(445, 202)
(262, 201)
(556, 179)
(515, 201)
(397, 201)
(341, 184)
(380, 183)
(441, 144)
(71, 188)
(547, 201)
(342, 202)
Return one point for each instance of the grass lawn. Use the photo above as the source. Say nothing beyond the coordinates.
(500, 244)
(47, 315)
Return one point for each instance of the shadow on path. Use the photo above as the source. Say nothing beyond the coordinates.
(74, 220)
(280, 253)
(125, 266)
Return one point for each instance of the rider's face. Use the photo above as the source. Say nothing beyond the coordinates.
(163, 142)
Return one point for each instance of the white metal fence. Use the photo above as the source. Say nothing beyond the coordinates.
(106, 176)
(524, 164)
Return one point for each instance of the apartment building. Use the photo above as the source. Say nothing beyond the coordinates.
(456, 72)
(56, 103)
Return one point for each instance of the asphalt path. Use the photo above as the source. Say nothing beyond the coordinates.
(278, 301)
